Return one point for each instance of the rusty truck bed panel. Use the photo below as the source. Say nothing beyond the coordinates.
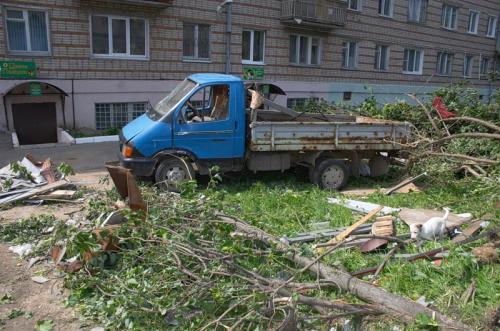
(362, 134)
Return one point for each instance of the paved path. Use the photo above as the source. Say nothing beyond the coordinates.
(81, 157)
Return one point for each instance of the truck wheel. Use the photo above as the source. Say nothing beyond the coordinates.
(171, 172)
(331, 174)
(379, 166)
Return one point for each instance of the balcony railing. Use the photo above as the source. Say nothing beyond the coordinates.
(146, 3)
(311, 13)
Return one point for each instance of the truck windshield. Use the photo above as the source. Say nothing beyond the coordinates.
(170, 101)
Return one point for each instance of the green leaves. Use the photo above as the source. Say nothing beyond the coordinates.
(44, 325)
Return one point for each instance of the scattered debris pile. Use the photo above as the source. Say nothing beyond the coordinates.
(157, 259)
(33, 181)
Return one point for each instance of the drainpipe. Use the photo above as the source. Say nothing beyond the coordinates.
(73, 101)
(4, 99)
(229, 31)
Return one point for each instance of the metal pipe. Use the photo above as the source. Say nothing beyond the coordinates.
(73, 101)
(229, 31)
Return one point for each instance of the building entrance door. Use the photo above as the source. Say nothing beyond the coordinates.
(35, 123)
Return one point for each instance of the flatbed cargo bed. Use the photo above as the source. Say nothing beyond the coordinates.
(332, 132)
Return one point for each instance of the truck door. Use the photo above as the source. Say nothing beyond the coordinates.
(205, 123)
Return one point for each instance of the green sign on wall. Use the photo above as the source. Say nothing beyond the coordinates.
(253, 73)
(17, 69)
(36, 89)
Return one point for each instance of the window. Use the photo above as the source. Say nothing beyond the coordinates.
(449, 17)
(347, 96)
(210, 103)
(117, 115)
(417, 11)
(385, 7)
(299, 102)
(413, 60)
(468, 61)
(27, 31)
(349, 55)
(196, 41)
(354, 4)
(473, 21)
(444, 63)
(381, 57)
(485, 66)
(304, 50)
(253, 45)
(121, 37)
(492, 26)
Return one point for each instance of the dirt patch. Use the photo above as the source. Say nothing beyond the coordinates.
(43, 301)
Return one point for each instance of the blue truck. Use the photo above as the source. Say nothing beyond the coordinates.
(220, 120)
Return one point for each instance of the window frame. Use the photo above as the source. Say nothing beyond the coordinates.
(470, 66)
(387, 57)
(478, 17)
(495, 18)
(25, 20)
(448, 63)
(421, 62)
(356, 57)
(391, 8)
(195, 57)
(422, 15)
(130, 110)
(309, 50)
(481, 59)
(120, 56)
(359, 7)
(252, 38)
(454, 23)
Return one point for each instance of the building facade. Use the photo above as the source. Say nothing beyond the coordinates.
(97, 64)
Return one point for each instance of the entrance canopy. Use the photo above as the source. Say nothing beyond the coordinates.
(35, 88)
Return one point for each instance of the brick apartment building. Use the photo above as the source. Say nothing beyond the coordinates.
(97, 63)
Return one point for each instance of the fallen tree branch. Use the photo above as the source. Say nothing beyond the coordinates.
(474, 120)
(462, 156)
(474, 135)
(427, 112)
(396, 306)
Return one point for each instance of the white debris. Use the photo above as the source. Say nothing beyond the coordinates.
(21, 250)
(361, 206)
(40, 279)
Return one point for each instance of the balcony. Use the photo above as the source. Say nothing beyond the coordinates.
(310, 14)
(144, 3)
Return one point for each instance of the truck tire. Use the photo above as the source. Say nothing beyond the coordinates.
(172, 171)
(379, 166)
(331, 174)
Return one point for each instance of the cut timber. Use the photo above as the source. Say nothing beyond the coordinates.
(383, 226)
(37, 191)
(344, 234)
(398, 307)
(404, 185)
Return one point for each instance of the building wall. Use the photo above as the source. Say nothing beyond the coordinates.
(89, 80)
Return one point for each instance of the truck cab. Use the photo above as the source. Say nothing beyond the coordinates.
(200, 122)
